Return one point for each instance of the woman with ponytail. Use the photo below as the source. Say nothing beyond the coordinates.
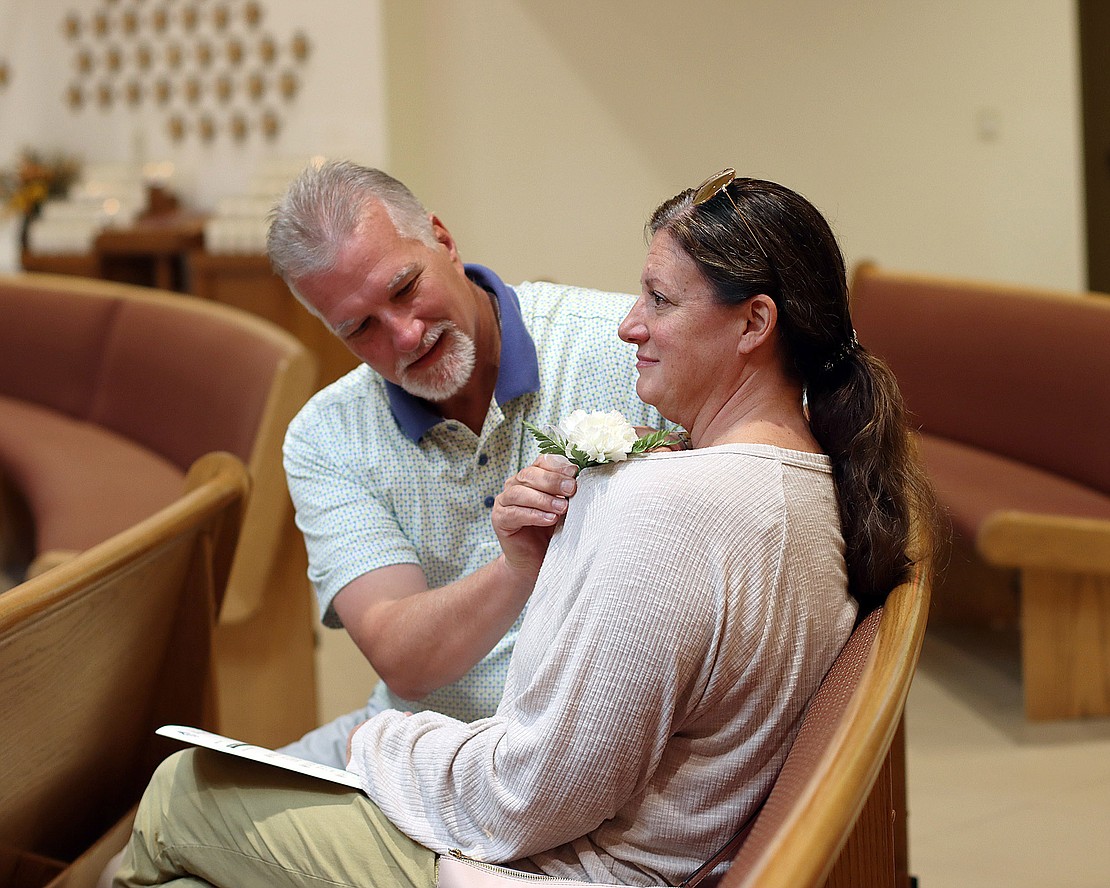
(682, 614)
(755, 240)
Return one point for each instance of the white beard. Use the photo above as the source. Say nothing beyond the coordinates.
(449, 374)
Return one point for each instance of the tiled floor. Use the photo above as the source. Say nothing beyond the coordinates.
(995, 802)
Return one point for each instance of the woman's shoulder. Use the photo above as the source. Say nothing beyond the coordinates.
(734, 460)
(743, 481)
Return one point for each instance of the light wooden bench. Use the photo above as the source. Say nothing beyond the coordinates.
(94, 655)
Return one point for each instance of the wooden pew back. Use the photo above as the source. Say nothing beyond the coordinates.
(98, 652)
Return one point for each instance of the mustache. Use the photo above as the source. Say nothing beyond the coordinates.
(430, 338)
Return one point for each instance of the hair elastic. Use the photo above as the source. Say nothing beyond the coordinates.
(841, 354)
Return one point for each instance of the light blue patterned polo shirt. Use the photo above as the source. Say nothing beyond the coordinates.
(378, 478)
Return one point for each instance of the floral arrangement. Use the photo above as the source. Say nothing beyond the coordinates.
(33, 179)
(593, 439)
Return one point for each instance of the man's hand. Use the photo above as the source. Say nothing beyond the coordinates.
(351, 739)
(420, 639)
(528, 509)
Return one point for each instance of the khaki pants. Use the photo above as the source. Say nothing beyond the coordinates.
(212, 819)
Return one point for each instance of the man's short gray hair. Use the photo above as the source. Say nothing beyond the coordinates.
(322, 210)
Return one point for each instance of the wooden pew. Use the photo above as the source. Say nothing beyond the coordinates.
(94, 655)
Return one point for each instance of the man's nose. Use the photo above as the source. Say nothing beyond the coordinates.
(405, 331)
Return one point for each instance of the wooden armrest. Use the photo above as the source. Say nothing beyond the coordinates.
(1047, 542)
(267, 523)
(51, 558)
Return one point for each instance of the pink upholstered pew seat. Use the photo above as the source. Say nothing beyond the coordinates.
(107, 400)
(108, 393)
(975, 484)
(83, 483)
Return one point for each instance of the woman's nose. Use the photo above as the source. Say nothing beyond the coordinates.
(632, 329)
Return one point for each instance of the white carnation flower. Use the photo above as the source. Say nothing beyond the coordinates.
(603, 436)
(592, 439)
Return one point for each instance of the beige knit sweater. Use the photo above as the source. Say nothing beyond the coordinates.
(684, 616)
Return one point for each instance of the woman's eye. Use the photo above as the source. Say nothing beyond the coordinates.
(657, 298)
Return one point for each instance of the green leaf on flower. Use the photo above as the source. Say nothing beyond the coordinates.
(548, 443)
(650, 442)
(581, 459)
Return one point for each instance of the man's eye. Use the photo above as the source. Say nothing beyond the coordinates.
(359, 330)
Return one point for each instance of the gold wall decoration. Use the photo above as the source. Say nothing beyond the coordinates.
(206, 128)
(267, 50)
(288, 85)
(193, 90)
(271, 125)
(163, 90)
(190, 18)
(225, 88)
(300, 46)
(176, 127)
(206, 65)
(239, 127)
(256, 86)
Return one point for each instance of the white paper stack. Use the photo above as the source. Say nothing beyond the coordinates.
(105, 195)
(241, 222)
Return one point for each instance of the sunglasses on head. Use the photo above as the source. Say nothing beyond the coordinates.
(718, 184)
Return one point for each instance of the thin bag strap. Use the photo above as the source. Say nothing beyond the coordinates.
(727, 852)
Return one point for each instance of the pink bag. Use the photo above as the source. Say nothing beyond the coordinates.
(461, 872)
(457, 871)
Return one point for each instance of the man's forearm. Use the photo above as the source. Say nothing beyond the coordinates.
(420, 639)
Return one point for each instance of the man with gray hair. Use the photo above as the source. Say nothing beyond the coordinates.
(393, 469)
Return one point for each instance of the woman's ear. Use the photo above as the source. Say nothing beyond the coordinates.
(760, 318)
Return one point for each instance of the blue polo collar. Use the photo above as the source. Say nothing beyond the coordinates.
(518, 374)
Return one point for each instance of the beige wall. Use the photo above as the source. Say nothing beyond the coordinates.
(939, 136)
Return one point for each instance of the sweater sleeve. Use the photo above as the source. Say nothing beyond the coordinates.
(583, 724)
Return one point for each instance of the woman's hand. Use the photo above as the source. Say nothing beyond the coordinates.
(529, 508)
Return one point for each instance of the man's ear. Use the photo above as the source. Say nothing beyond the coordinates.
(760, 317)
(444, 237)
